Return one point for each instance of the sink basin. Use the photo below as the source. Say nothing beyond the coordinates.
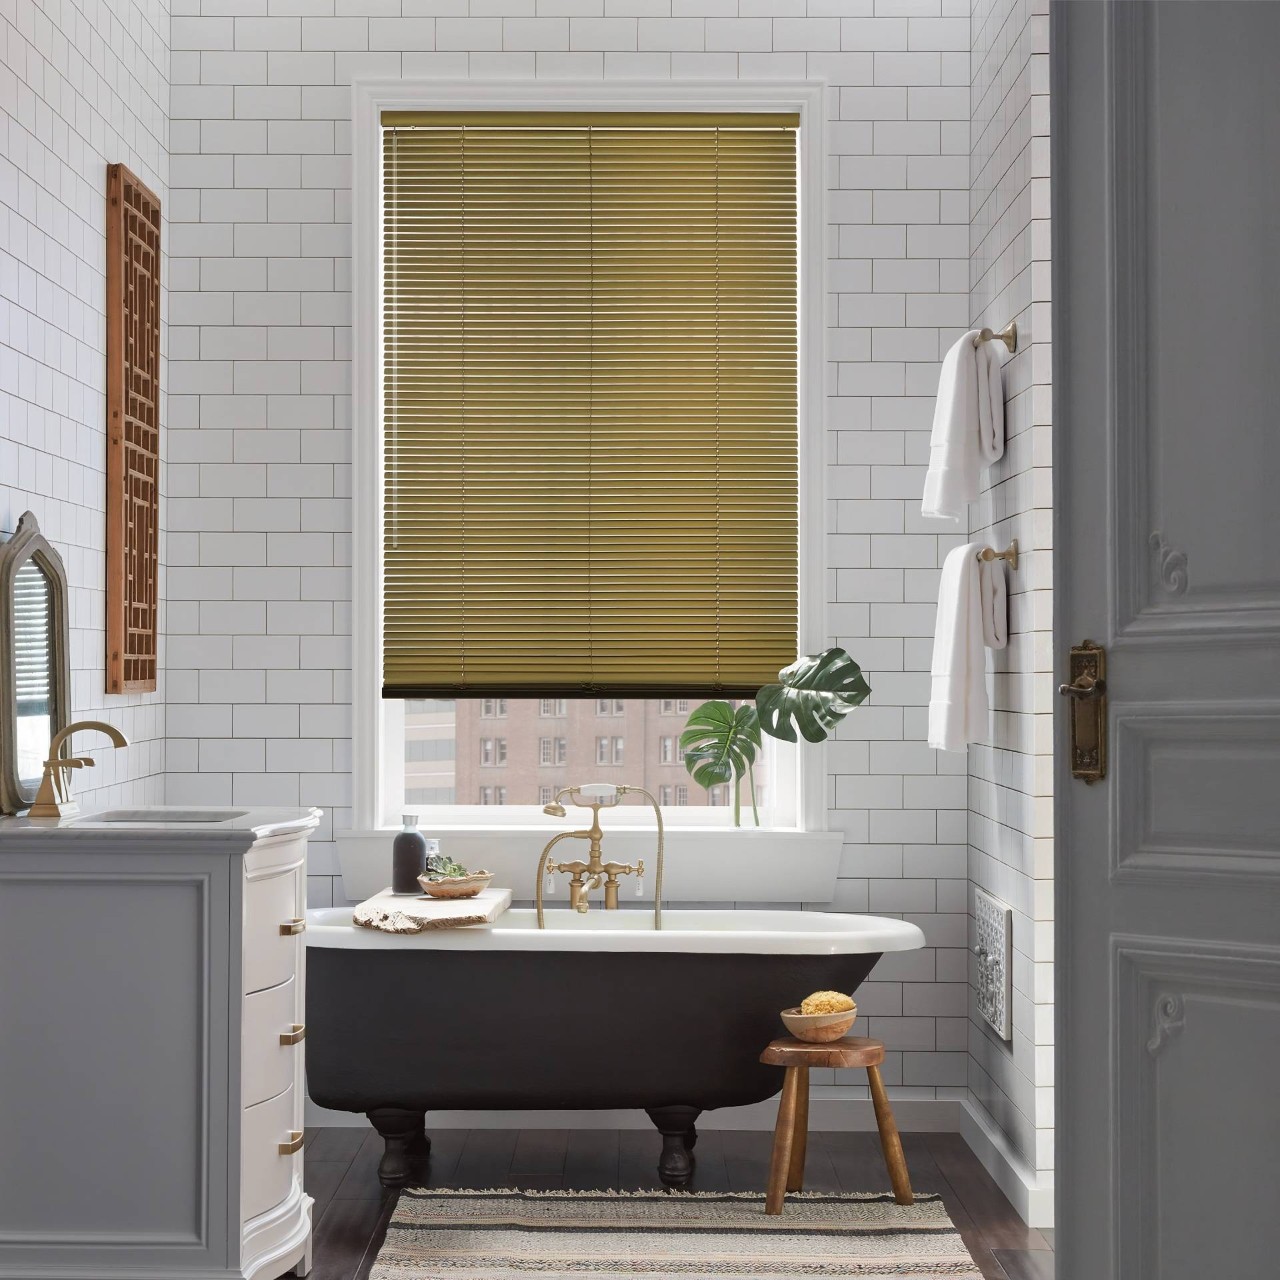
(168, 815)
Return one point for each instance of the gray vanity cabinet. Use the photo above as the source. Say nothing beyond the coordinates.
(151, 1038)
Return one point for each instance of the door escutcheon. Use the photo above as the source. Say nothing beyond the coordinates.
(1087, 708)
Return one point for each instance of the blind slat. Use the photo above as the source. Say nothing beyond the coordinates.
(590, 400)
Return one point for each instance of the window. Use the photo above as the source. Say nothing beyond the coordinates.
(486, 795)
(492, 708)
(463, 757)
(684, 379)
(535, 745)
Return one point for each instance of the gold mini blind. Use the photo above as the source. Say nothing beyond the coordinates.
(590, 403)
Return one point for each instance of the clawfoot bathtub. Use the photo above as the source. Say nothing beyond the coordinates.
(593, 1012)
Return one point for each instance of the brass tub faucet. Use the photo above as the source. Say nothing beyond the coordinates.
(584, 876)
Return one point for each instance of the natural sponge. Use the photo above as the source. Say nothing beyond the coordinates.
(826, 1002)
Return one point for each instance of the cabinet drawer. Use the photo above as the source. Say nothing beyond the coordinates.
(270, 957)
(267, 1066)
(266, 1173)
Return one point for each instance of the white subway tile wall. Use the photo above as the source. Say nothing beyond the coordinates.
(83, 83)
(1011, 780)
(259, 409)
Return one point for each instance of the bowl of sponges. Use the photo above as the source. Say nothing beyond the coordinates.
(821, 1017)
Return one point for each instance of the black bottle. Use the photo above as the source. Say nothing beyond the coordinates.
(408, 857)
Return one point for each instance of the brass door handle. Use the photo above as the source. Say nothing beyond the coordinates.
(1083, 687)
(294, 1144)
(290, 927)
(1087, 711)
(298, 1033)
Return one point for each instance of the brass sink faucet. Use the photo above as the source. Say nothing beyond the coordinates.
(53, 799)
(594, 872)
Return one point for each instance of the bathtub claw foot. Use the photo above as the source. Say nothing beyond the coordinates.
(676, 1124)
(406, 1145)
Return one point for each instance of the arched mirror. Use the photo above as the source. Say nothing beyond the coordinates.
(34, 667)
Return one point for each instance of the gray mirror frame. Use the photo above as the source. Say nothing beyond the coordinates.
(29, 544)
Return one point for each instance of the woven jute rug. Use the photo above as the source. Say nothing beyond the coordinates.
(493, 1235)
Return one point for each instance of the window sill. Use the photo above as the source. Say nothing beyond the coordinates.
(702, 865)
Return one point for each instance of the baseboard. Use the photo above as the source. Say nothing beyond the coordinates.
(1030, 1193)
(833, 1108)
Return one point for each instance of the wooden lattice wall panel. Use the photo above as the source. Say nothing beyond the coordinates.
(133, 431)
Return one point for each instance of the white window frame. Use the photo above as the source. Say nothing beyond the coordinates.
(378, 725)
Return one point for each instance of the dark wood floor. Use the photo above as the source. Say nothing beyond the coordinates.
(352, 1211)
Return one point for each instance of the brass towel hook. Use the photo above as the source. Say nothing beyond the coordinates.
(1008, 335)
(1009, 554)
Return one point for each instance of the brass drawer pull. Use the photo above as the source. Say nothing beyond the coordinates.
(290, 927)
(298, 1033)
(293, 1145)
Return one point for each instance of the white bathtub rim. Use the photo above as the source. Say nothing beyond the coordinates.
(756, 933)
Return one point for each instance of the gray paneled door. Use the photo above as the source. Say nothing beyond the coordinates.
(1166, 183)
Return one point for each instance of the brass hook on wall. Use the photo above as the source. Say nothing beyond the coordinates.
(1009, 554)
(1008, 335)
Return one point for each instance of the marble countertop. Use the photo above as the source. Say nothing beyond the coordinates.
(139, 823)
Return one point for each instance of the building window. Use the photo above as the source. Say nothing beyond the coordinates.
(666, 750)
(682, 795)
(617, 750)
(493, 708)
(682, 706)
(500, 750)
(546, 795)
(486, 795)
(545, 755)
(548, 707)
(500, 795)
(562, 751)
(664, 797)
(486, 750)
(602, 751)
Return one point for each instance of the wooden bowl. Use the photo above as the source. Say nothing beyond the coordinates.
(819, 1028)
(455, 886)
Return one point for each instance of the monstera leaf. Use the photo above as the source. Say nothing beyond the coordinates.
(813, 695)
(720, 743)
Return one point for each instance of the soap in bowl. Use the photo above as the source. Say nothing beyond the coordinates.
(455, 886)
(819, 1028)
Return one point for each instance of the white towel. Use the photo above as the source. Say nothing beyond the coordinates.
(994, 603)
(968, 426)
(958, 701)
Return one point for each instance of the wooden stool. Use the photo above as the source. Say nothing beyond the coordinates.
(791, 1136)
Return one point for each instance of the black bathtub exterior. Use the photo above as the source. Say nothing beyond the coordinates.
(397, 1033)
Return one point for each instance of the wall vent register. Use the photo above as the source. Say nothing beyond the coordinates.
(993, 949)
